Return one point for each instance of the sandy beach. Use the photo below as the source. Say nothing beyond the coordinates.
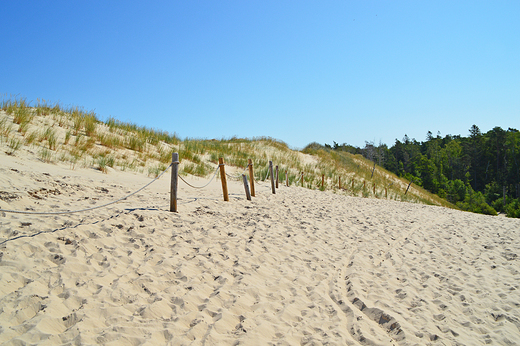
(299, 267)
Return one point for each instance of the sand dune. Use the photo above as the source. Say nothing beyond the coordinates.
(299, 267)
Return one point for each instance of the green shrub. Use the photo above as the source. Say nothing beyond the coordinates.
(513, 209)
(476, 203)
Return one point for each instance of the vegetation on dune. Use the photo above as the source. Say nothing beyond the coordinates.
(479, 173)
(71, 134)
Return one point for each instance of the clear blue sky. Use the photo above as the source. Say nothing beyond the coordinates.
(298, 71)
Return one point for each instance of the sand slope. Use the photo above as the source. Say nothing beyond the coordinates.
(299, 267)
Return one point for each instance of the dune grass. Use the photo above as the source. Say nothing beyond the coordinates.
(79, 137)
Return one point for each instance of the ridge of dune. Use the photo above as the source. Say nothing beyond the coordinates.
(296, 267)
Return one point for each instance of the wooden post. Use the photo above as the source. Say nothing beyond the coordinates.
(286, 179)
(323, 181)
(386, 192)
(276, 176)
(302, 179)
(352, 184)
(223, 179)
(271, 174)
(339, 183)
(246, 187)
(251, 177)
(408, 187)
(364, 184)
(374, 189)
(174, 182)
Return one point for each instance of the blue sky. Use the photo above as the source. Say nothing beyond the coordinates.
(298, 71)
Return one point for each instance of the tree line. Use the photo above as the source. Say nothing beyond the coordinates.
(479, 173)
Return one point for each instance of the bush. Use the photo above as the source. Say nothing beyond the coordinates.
(476, 203)
(513, 209)
(456, 191)
(498, 205)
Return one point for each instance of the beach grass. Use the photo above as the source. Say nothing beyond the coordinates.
(77, 135)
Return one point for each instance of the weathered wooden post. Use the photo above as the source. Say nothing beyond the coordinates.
(246, 187)
(339, 183)
(271, 174)
(286, 179)
(223, 179)
(408, 187)
(276, 176)
(302, 179)
(386, 192)
(174, 182)
(374, 188)
(364, 184)
(251, 177)
(352, 184)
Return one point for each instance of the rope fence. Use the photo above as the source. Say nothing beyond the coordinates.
(174, 186)
(201, 187)
(87, 209)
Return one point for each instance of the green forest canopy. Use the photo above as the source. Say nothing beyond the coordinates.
(478, 172)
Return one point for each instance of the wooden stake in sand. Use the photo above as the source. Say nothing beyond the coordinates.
(251, 177)
(302, 179)
(246, 187)
(174, 182)
(271, 174)
(223, 179)
(286, 179)
(408, 187)
(276, 176)
(339, 182)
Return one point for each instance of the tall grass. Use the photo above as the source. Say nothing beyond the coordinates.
(6, 129)
(152, 150)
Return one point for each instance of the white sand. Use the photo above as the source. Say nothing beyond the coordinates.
(295, 268)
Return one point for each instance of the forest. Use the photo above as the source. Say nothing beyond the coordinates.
(478, 173)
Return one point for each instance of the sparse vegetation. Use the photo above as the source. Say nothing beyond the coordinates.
(14, 145)
(45, 155)
(126, 146)
(31, 137)
(156, 170)
(5, 129)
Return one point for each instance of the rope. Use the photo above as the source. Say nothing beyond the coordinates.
(87, 209)
(201, 187)
(239, 175)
